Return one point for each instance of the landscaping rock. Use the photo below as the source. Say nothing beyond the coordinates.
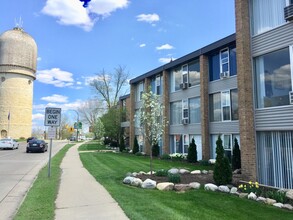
(270, 201)
(134, 174)
(166, 186)
(212, 161)
(142, 173)
(243, 195)
(233, 190)
(224, 189)
(184, 171)
(194, 185)
(128, 179)
(210, 172)
(128, 174)
(211, 187)
(288, 206)
(151, 173)
(196, 172)
(261, 199)
(173, 171)
(289, 194)
(182, 187)
(136, 182)
(279, 205)
(237, 171)
(149, 184)
(204, 172)
(252, 196)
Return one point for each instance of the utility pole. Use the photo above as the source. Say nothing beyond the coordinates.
(77, 123)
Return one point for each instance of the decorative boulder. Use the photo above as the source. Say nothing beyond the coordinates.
(243, 195)
(210, 172)
(194, 185)
(279, 205)
(289, 194)
(212, 161)
(204, 172)
(252, 196)
(151, 173)
(149, 184)
(182, 187)
(142, 173)
(233, 190)
(211, 187)
(173, 171)
(261, 199)
(166, 186)
(129, 174)
(128, 179)
(134, 174)
(184, 171)
(224, 189)
(270, 201)
(136, 182)
(196, 172)
(288, 206)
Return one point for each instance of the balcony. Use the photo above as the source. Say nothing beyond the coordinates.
(288, 13)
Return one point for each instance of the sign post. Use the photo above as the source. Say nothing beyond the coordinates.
(52, 119)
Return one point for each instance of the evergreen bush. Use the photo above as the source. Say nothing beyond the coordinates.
(165, 157)
(192, 152)
(236, 157)
(174, 178)
(122, 144)
(222, 170)
(156, 150)
(135, 146)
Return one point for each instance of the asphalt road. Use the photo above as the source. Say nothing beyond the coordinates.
(18, 170)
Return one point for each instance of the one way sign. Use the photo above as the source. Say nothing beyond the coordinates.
(52, 117)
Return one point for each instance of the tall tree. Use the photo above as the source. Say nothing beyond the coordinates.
(109, 86)
(63, 129)
(152, 120)
(112, 124)
(89, 112)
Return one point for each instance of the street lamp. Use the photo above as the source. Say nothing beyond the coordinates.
(77, 124)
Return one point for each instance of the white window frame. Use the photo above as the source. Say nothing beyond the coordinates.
(223, 61)
(185, 143)
(158, 84)
(225, 103)
(184, 73)
(185, 107)
(291, 64)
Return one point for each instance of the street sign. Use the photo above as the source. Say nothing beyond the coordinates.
(79, 125)
(52, 117)
(52, 132)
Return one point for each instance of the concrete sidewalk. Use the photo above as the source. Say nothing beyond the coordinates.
(80, 196)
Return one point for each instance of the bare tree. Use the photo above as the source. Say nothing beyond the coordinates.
(90, 112)
(63, 129)
(109, 85)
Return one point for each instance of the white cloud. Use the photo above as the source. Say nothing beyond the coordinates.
(38, 116)
(71, 12)
(55, 98)
(89, 79)
(166, 59)
(165, 47)
(56, 77)
(149, 18)
(142, 45)
(39, 58)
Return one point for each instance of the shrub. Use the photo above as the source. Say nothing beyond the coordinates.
(236, 157)
(174, 178)
(192, 152)
(156, 150)
(161, 172)
(22, 138)
(135, 146)
(222, 170)
(204, 163)
(279, 196)
(165, 157)
(177, 157)
(122, 144)
(139, 154)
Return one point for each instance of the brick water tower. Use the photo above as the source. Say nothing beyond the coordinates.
(18, 61)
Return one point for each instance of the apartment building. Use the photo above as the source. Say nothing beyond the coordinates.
(239, 87)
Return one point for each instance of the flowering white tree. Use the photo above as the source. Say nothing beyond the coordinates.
(151, 120)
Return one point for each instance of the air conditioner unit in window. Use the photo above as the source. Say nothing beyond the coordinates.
(291, 98)
(185, 121)
(224, 74)
(288, 13)
(184, 85)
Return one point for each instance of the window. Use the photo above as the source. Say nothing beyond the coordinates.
(185, 143)
(227, 146)
(175, 79)
(194, 110)
(176, 113)
(185, 112)
(266, 15)
(137, 119)
(215, 107)
(226, 114)
(158, 85)
(273, 79)
(234, 104)
(194, 73)
(139, 91)
(185, 74)
(224, 61)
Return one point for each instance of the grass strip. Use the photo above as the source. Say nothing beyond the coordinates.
(40, 200)
(109, 169)
(92, 146)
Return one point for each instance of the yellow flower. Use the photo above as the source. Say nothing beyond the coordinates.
(256, 186)
(250, 182)
(241, 186)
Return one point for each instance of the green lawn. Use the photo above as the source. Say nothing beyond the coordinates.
(40, 200)
(93, 145)
(110, 168)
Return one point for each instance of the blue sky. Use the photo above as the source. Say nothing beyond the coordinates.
(75, 43)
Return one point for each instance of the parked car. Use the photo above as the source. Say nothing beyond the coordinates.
(36, 145)
(29, 139)
(8, 143)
